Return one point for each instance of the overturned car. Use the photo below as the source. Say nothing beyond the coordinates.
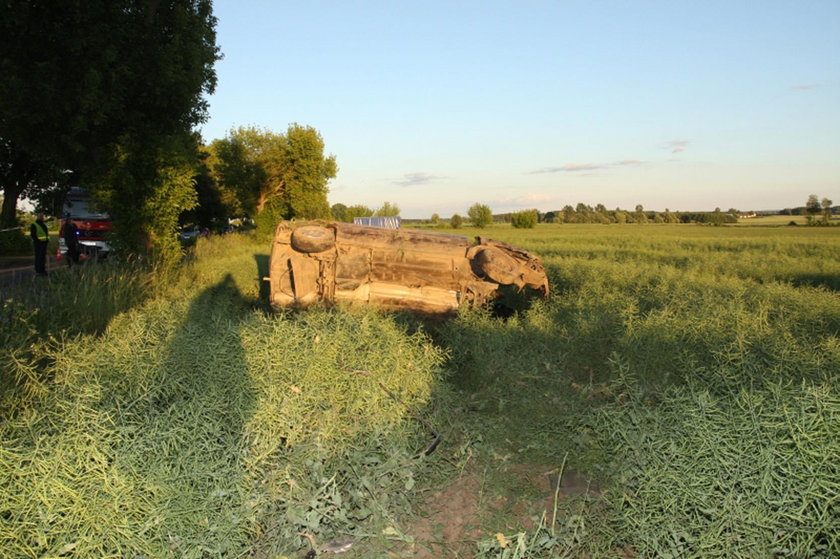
(330, 262)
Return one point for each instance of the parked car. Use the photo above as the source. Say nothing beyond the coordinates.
(407, 269)
(189, 233)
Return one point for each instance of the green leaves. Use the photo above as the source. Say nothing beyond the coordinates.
(285, 175)
(480, 215)
(112, 91)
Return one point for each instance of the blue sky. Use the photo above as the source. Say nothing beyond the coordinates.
(438, 105)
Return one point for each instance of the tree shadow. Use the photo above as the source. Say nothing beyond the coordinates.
(190, 424)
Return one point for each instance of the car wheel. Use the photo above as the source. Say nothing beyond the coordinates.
(312, 238)
(497, 266)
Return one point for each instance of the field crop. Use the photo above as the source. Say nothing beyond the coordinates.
(676, 396)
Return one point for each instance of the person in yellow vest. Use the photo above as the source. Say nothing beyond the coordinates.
(40, 237)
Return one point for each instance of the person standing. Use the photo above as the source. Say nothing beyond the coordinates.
(71, 240)
(40, 238)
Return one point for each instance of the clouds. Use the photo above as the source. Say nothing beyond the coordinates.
(570, 168)
(529, 200)
(807, 86)
(586, 168)
(677, 146)
(417, 179)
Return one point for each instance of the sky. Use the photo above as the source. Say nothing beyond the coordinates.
(436, 105)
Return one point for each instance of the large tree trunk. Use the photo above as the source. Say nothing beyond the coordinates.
(8, 216)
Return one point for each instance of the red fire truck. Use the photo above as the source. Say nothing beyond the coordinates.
(94, 226)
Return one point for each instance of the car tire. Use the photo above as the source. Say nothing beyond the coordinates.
(312, 238)
(497, 266)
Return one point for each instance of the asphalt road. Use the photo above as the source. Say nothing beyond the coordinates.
(16, 270)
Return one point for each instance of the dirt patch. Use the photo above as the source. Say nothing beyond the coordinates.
(454, 518)
(449, 520)
(538, 488)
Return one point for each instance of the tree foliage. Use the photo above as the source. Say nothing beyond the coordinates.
(358, 210)
(338, 212)
(387, 209)
(812, 207)
(285, 175)
(110, 89)
(456, 221)
(23, 176)
(825, 203)
(526, 219)
(480, 215)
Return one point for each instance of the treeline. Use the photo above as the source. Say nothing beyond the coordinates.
(584, 213)
(342, 212)
(816, 211)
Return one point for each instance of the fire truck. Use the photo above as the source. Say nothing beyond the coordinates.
(94, 226)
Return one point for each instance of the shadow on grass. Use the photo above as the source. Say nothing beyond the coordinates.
(37, 311)
(828, 281)
(190, 427)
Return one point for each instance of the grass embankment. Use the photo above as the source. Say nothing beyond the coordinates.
(686, 378)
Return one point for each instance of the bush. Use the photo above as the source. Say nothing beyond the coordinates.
(526, 219)
(14, 243)
(480, 215)
(456, 222)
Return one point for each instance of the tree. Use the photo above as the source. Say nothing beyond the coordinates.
(339, 212)
(387, 210)
(211, 211)
(826, 210)
(108, 89)
(812, 208)
(435, 219)
(279, 175)
(716, 218)
(526, 219)
(456, 221)
(357, 211)
(480, 215)
(639, 216)
(21, 176)
(620, 216)
(306, 172)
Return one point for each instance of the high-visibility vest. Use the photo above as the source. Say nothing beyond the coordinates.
(41, 232)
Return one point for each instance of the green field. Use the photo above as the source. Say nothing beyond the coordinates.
(677, 396)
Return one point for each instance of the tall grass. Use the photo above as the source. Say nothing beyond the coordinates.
(691, 373)
(38, 313)
(195, 424)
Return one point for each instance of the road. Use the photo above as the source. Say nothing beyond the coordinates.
(15, 270)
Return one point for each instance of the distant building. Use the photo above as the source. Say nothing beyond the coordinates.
(390, 222)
